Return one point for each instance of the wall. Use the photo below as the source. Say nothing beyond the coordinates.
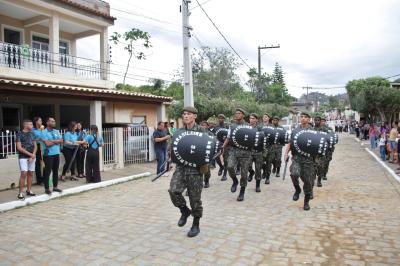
(123, 112)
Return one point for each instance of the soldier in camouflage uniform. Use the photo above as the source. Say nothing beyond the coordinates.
(236, 155)
(329, 152)
(276, 151)
(190, 178)
(256, 156)
(320, 160)
(223, 170)
(302, 166)
(265, 122)
(205, 126)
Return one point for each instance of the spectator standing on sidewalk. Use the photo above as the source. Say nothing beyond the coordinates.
(71, 144)
(161, 138)
(392, 142)
(80, 156)
(26, 146)
(372, 136)
(94, 143)
(51, 154)
(39, 164)
(382, 146)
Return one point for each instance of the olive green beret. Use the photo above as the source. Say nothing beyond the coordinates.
(323, 118)
(306, 114)
(267, 114)
(221, 116)
(190, 109)
(276, 117)
(254, 114)
(240, 110)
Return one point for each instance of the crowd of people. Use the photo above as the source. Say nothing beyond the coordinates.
(39, 149)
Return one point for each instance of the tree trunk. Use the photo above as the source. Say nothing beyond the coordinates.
(127, 66)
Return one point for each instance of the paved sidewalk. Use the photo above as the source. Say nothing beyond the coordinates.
(354, 220)
(11, 194)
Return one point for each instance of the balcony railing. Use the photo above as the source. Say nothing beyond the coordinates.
(29, 59)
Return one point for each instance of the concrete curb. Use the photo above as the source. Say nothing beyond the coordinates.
(384, 165)
(69, 191)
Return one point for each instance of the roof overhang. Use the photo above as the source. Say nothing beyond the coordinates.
(83, 93)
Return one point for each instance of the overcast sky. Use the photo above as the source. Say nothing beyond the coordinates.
(324, 43)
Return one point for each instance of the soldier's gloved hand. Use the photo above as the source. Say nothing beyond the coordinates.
(204, 169)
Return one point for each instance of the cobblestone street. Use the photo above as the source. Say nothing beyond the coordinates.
(354, 220)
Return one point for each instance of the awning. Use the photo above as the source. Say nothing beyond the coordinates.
(86, 93)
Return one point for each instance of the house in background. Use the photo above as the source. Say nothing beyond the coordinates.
(395, 84)
(41, 75)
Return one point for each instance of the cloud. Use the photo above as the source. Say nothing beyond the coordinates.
(323, 43)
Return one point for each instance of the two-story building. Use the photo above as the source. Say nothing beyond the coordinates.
(41, 74)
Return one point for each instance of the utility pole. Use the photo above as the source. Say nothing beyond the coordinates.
(307, 88)
(260, 90)
(187, 64)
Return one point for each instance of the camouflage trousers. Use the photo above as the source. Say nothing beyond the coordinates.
(189, 178)
(243, 157)
(321, 166)
(257, 158)
(303, 168)
(267, 162)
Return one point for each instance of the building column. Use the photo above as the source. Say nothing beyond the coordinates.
(161, 113)
(95, 119)
(54, 41)
(104, 56)
(73, 47)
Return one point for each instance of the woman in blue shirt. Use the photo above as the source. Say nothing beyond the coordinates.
(71, 144)
(94, 142)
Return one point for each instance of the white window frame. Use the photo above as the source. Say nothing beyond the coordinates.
(42, 35)
(21, 30)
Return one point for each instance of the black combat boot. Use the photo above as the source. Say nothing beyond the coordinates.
(258, 189)
(251, 174)
(324, 178)
(273, 170)
(278, 174)
(234, 185)
(185, 214)
(221, 169)
(296, 194)
(195, 230)
(224, 175)
(312, 195)
(241, 194)
(319, 184)
(306, 202)
(267, 180)
(206, 182)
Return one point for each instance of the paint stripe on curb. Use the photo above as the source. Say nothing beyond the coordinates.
(390, 170)
(69, 191)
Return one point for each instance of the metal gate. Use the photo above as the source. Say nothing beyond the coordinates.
(109, 138)
(136, 144)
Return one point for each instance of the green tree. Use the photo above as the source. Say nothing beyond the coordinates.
(374, 97)
(277, 75)
(130, 39)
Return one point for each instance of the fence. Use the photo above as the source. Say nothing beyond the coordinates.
(110, 138)
(8, 144)
(136, 144)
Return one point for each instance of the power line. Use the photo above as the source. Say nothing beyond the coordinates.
(205, 2)
(144, 16)
(223, 36)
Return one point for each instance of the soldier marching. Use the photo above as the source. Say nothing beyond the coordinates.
(303, 166)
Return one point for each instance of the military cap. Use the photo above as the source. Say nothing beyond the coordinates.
(221, 116)
(323, 118)
(240, 110)
(190, 109)
(276, 117)
(305, 113)
(255, 115)
(318, 116)
(203, 122)
(267, 114)
(212, 119)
